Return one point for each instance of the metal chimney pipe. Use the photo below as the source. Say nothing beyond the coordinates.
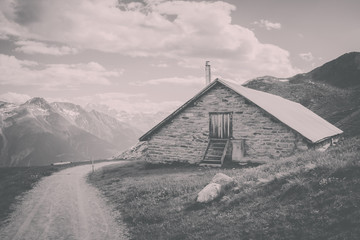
(207, 73)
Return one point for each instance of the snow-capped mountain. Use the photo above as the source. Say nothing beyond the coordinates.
(39, 133)
(139, 120)
(105, 127)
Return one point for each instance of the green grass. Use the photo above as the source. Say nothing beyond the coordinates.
(307, 196)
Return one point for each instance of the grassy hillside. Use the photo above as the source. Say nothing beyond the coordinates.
(307, 196)
(342, 72)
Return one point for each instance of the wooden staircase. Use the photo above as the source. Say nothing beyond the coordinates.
(215, 153)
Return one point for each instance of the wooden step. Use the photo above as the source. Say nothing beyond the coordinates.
(219, 144)
(218, 148)
(213, 155)
(215, 152)
(212, 161)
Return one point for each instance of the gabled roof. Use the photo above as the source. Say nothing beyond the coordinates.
(292, 114)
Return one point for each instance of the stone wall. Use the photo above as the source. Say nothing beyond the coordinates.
(186, 136)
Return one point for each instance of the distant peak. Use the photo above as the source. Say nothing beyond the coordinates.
(38, 101)
(347, 58)
(68, 106)
(352, 53)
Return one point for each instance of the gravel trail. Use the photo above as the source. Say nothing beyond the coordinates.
(64, 206)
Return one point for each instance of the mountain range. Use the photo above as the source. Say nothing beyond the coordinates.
(143, 121)
(39, 133)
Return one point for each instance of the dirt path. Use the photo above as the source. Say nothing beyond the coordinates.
(64, 206)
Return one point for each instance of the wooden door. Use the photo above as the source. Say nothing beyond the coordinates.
(220, 125)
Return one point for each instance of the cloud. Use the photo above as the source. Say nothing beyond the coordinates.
(307, 56)
(131, 103)
(8, 27)
(32, 47)
(186, 81)
(119, 96)
(170, 29)
(17, 72)
(143, 106)
(13, 97)
(160, 65)
(267, 24)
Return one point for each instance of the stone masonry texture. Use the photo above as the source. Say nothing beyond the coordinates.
(185, 137)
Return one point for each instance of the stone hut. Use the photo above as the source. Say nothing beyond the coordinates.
(228, 121)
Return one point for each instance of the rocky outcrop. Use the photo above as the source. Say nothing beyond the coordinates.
(216, 188)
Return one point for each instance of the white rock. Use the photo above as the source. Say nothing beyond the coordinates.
(215, 188)
(209, 193)
(222, 179)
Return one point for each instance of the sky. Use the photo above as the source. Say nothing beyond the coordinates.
(149, 55)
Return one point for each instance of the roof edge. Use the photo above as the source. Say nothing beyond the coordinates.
(173, 114)
(329, 137)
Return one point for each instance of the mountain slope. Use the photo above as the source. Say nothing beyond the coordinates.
(139, 120)
(342, 72)
(34, 133)
(332, 91)
(105, 127)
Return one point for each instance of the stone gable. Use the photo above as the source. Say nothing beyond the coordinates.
(186, 136)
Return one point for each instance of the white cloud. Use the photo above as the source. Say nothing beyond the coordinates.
(307, 56)
(13, 97)
(8, 27)
(32, 47)
(189, 80)
(53, 76)
(267, 24)
(131, 103)
(160, 65)
(119, 96)
(143, 106)
(172, 29)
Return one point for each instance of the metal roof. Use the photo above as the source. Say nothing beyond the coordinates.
(292, 114)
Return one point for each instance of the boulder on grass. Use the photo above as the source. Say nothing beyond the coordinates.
(209, 193)
(218, 185)
(224, 180)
